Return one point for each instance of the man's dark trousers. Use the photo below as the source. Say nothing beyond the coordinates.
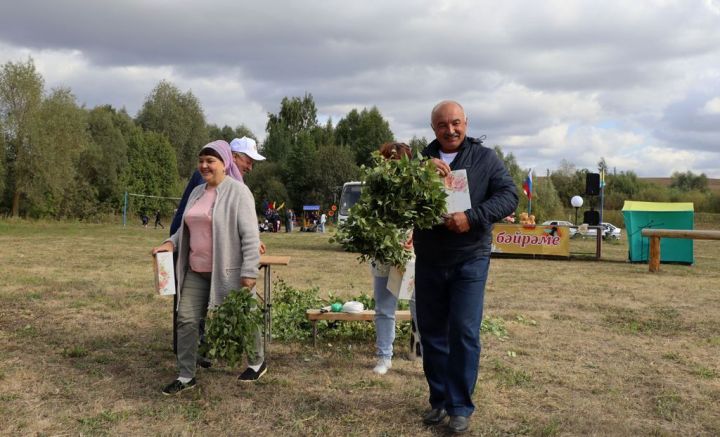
(449, 303)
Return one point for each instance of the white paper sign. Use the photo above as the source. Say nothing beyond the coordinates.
(164, 273)
(401, 283)
(458, 191)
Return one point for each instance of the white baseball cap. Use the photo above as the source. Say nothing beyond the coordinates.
(247, 146)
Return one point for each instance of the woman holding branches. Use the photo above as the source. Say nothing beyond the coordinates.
(217, 251)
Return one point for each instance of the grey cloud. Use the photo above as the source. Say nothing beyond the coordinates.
(631, 58)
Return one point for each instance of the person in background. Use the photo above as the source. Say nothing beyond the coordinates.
(217, 249)
(244, 153)
(145, 219)
(157, 220)
(323, 219)
(275, 221)
(385, 301)
(289, 218)
(452, 267)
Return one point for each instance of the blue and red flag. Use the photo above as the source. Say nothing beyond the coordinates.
(527, 185)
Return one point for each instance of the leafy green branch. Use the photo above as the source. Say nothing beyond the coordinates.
(397, 196)
(232, 326)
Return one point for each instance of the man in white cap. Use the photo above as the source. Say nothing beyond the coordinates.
(245, 153)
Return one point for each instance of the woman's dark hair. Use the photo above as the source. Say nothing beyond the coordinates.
(395, 150)
(209, 151)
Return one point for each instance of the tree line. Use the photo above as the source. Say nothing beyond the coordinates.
(62, 160)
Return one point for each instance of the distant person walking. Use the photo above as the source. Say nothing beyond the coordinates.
(289, 218)
(157, 220)
(145, 219)
(323, 219)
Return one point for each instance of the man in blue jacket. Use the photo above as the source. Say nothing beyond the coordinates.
(452, 267)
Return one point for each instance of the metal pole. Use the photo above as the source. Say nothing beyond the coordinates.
(268, 307)
(125, 210)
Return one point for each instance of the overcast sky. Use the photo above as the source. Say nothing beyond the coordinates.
(635, 82)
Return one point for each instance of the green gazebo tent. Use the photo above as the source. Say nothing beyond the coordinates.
(659, 215)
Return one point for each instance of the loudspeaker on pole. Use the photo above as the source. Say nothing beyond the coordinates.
(592, 184)
(591, 217)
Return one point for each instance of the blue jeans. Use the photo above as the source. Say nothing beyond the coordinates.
(449, 312)
(385, 306)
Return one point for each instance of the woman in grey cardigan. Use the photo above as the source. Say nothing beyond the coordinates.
(218, 251)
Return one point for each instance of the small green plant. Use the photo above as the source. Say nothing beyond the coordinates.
(76, 351)
(704, 372)
(494, 326)
(288, 312)
(231, 328)
(509, 377)
(100, 424)
(525, 321)
(668, 405)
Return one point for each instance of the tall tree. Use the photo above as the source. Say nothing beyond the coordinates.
(266, 185)
(297, 117)
(106, 156)
(568, 181)
(60, 137)
(151, 170)
(334, 166)
(546, 204)
(512, 166)
(300, 180)
(689, 181)
(21, 89)
(363, 132)
(227, 133)
(417, 144)
(178, 116)
(3, 164)
(602, 165)
(324, 135)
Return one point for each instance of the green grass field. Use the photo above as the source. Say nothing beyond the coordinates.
(592, 348)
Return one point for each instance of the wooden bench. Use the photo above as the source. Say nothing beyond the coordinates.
(656, 234)
(367, 315)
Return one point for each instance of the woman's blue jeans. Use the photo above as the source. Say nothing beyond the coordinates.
(385, 306)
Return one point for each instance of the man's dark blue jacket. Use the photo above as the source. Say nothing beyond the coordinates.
(493, 196)
(195, 180)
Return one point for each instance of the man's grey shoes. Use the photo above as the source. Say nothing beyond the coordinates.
(458, 424)
(434, 416)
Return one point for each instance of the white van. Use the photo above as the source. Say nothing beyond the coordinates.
(349, 197)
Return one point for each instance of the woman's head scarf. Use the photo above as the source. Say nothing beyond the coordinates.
(223, 149)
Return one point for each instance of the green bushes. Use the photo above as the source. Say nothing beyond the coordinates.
(290, 324)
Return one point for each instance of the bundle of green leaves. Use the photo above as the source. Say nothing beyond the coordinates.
(231, 327)
(397, 196)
